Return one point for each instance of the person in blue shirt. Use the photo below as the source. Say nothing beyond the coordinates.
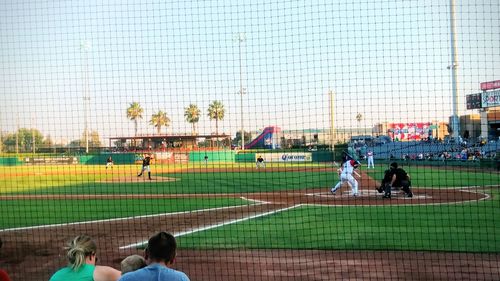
(160, 254)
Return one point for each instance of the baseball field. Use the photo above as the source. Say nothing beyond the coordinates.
(233, 221)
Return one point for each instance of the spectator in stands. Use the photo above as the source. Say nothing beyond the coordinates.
(160, 253)
(82, 257)
(132, 263)
(3, 274)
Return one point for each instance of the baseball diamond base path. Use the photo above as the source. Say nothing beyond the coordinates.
(35, 253)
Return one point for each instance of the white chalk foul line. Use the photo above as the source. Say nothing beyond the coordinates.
(119, 219)
(214, 226)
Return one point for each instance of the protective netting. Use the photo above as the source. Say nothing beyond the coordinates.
(276, 140)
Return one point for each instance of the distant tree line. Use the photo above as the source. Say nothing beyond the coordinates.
(26, 140)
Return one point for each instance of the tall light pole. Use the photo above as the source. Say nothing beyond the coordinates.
(85, 47)
(1, 136)
(241, 38)
(455, 123)
(331, 95)
(17, 133)
(33, 134)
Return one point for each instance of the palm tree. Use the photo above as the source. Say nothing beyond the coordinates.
(216, 112)
(359, 117)
(134, 112)
(159, 120)
(192, 114)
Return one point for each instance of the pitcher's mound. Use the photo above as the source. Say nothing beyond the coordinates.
(129, 179)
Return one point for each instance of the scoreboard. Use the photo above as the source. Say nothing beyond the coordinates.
(474, 101)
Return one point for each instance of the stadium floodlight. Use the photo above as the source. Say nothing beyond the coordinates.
(331, 95)
(455, 123)
(241, 38)
(85, 47)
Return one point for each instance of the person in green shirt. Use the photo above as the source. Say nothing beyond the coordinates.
(81, 254)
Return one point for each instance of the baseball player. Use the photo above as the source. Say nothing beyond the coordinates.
(395, 177)
(260, 162)
(345, 172)
(109, 162)
(369, 157)
(146, 161)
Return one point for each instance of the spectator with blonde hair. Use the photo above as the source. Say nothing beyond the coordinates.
(81, 254)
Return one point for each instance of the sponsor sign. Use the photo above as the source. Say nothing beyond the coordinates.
(409, 131)
(286, 157)
(163, 155)
(181, 157)
(51, 160)
(491, 85)
(489, 99)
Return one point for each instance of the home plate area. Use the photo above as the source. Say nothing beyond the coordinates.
(395, 194)
(421, 196)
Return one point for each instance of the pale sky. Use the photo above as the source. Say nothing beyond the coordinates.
(385, 59)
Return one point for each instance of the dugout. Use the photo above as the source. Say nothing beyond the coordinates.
(168, 142)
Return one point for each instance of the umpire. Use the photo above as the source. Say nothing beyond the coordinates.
(395, 177)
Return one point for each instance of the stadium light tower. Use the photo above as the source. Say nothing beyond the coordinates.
(455, 123)
(241, 39)
(331, 95)
(85, 47)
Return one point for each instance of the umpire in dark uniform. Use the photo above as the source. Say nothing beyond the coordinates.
(395, 177)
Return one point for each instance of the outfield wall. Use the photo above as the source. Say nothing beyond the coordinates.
(100, 159)
(216, 156)
(10, 161)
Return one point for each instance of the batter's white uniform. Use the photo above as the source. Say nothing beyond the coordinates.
(347, 170)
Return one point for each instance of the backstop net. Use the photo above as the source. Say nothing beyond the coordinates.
(275, 140)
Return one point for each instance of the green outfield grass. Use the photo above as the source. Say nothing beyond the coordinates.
(190, 183)
(88, 180)
(467, 227)
(19, 213)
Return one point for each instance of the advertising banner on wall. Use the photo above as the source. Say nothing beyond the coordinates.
(490, 85)
(286, 157)
(181, 157)
(489, 99)
(50, 160)
(163, 157)
(409, 131)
